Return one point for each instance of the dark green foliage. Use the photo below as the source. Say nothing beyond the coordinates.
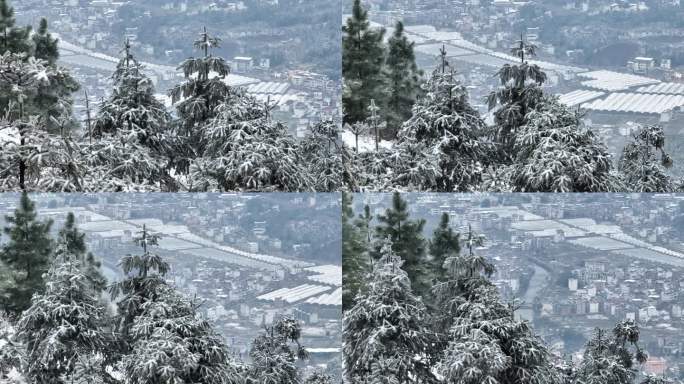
(403, 78)
(407, 241)
(46, 47)
(363, 55)
(354, 252)
(28, 252)
(90, 265)
(445, 243)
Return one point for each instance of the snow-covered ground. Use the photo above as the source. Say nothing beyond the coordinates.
(366, 143)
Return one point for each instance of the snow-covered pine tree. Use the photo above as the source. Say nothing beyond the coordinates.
(131, 135)
(485, 344)
(53, 101)
(244, 149)
(407, 240)
(90, 265)
(197, 99)
(363, 56)
(28, 252)
(355, 256)
(611, 358)
(319, 377)
(63, 324)
(385, 338)
(171, 343)
(403, 80)
(132, 108)
(12, 38)
(12, 353)
(519, 93)
(274, 354)
(144, 273)
(554, 152)
(31, 153)
(640, 167)
(162, 338)
(325, 155)
(452, 133)
(653, 379)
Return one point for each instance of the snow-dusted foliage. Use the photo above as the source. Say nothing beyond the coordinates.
(385, 338)
(64, 324)
(132, 106)
(197, 98)
(223, 139)
(162, 337)
(640, 166)
(274, 354)
(447, 134)
(12, 353)
(319, 377)
(170, 343)
(519, 94)
(611, 358)
(553, 152)
(325, 157)
(243, 148)
(483, 343)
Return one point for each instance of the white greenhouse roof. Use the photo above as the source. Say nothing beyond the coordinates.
(614, 81)
(664, 88)
(601, 243)
(326, 274)
(333, 298)
(293, 295)
(579, 96)
(636, 103)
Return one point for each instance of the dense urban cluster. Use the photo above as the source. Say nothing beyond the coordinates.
(439, 309)
(60, 327)
(428, 136)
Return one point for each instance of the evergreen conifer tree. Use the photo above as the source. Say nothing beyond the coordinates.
(485, 344)
(131, 134)
(611, 358)
(385, 339)
(445, 130)
(445, 243)
(519, 93)
(132, 109)
(162, 338)
(554, 152)
(28, 252)
(363, 56)
(90, 265)
(403, 78)
(245, 149)
(354, 253)
(64, 324)
(274, 354)
(640, 167)
(407, 242)
(196, 99)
